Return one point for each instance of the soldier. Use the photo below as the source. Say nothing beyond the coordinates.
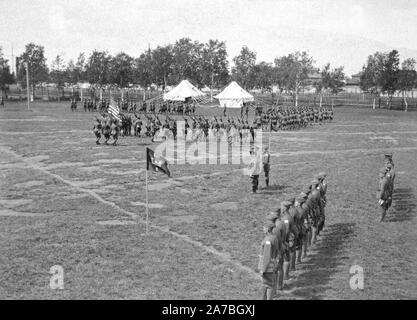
(322, 187)
(384, 192)
(115, 131)
(284, 224)
(265, 161)
(106, 130)
(268, 261)
(97, 130)
(318, 218)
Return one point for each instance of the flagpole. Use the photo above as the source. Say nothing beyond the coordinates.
(147, 207)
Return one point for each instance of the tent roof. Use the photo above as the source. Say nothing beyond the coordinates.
(234, 92)
(182, 91)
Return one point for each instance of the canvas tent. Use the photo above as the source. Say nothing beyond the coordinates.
(183, 91)
(233, 96)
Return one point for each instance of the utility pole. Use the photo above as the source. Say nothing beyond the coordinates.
(27, 84)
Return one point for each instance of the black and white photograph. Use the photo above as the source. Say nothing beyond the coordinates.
(214, 151)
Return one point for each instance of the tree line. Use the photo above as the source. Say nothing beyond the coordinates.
(206, 64)
(383, 74)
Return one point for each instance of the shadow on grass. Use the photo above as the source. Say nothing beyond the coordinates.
(403, 206)
(312, 282)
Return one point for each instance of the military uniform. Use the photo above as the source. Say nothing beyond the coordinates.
(97, 130)
(266, 166)
(384, 195)
(268, 261)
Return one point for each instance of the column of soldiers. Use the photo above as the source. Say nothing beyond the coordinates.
(386, 185)
(108, 127)
(289, 231)
(291, 118)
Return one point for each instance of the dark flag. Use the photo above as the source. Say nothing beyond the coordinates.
(156, 163)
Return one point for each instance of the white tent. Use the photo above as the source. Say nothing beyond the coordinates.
(233, 96)
(183, 91)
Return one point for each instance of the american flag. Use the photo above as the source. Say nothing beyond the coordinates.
(114, 111)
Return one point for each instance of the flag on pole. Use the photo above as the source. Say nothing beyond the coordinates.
(156, 163)
(114, 110)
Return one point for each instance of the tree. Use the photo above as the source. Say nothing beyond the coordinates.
(58, 74)
(407, 79)
(162, 60)
(330, 80)
(34, 56)
(293, 70)
(389, 81)
(121, 69)
(261, 76)
(214, 67)
(371, 76)
(98, 68)
(187, 61)
(244, 64)
(143, 70)
(6, 77)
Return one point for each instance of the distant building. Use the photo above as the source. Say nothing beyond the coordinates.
(352, 84)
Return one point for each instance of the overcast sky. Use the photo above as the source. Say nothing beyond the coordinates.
(339, 32)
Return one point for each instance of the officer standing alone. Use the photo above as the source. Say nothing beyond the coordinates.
(265, 161)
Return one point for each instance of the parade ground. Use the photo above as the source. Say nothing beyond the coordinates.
(65, 201)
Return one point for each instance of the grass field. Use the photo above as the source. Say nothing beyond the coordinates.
(66, 201)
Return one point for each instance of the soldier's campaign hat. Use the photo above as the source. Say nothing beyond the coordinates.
(302, 195)
(307, 189)
(300, 199)
(321, 175)
(388, 155)
(315, 182)
(291, 200)
(269, 225)
(272, 216)
(286, 204)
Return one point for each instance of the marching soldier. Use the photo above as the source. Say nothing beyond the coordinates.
(97, 130)
(268, 261)
(265, 161)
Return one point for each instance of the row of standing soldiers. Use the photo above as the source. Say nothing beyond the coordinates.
(170, 107)
(386, 185)
(291, 118)
(289, 231)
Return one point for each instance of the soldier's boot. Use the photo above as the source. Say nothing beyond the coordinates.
(275, 284)
(305, 245)
(280, 282)
(299, 253)
(267, 182)
(269, 294)
(309, 237)
(292, 260)
(264, 292)
(97, 141)
(384, 212)
(314, 235)
(286, 268)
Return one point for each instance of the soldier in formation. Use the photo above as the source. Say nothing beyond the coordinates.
(294, 223)
(386, 185)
